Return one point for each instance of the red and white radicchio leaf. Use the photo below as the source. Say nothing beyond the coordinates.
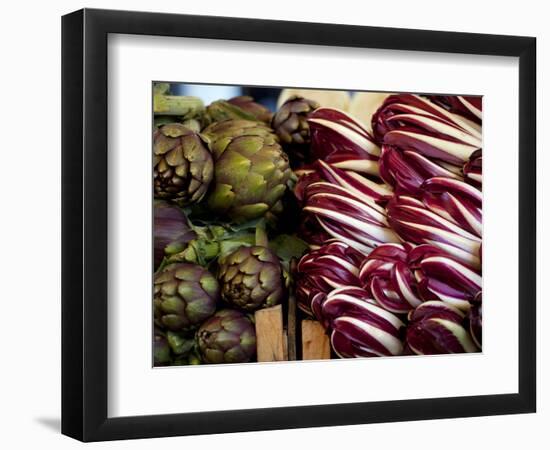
(361, 328)
(411, 122)
(341, 140)
(454, 200)
(436, 327)
(465, 105)
(475, 319)
(320, 271)
(386, 276)
(440, 276)
(473, 169)
(414, 222)
(350, 214)
(406, 170)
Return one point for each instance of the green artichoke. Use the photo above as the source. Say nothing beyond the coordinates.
(183, 165)
(220, 134)
(242, 107)
(251, 170)
(227, 337)
(161, 349)
(290, 122)
(184, 296)
(251, 278)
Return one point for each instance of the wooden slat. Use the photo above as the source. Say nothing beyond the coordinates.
(291, 328)
(315, 342)
(285, 346)
(269, 334)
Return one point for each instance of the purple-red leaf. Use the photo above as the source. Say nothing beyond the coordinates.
(465, 105)
(361, 327)
(339, 139)
(414, 222)
(333, 265)
(385, 274)
(436, 328)
(406, 170)
(415, 123)
(455, 200)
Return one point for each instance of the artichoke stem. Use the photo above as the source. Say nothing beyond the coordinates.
(261, 236)
(175, 105)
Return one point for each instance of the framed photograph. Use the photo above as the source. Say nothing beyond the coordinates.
(273, 225)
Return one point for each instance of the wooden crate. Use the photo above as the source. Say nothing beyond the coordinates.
(280, 337)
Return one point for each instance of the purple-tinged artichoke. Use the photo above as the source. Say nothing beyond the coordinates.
(184, 296)
(475, 319)
(183, 166)
(465, 105)
(436, 328)
(240, 108)
(411, 122)
(257, 110)
(290, 121)
(227, 337)
(361, 328)
(386, 276)
(320, 271)
(414, 222)
(161, 350)
(171, 231)
(441, 276)
(339, 139)
(251, 278)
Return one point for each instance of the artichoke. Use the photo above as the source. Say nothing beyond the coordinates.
(251, 170)
(241, 107)
(251, 278)
(184, 296)
(257, 110)
(227, 337)
(220, 134)
(291, 126)
(183, 166)
(161, 349)
(171, 230)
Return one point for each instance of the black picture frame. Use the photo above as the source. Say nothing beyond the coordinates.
(84, 224)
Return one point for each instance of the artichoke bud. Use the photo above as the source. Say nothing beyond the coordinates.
(180, 343)
(291, 126)
(184, 296)
(227, 337)
(242, 107)
(251, 173)
(219, 135)
(183, 165)
(161, 349)
(171, 231)
(251, 278)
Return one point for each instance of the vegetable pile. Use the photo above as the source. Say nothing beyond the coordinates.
(374, 228)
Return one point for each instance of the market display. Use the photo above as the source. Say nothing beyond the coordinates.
(371, 229)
